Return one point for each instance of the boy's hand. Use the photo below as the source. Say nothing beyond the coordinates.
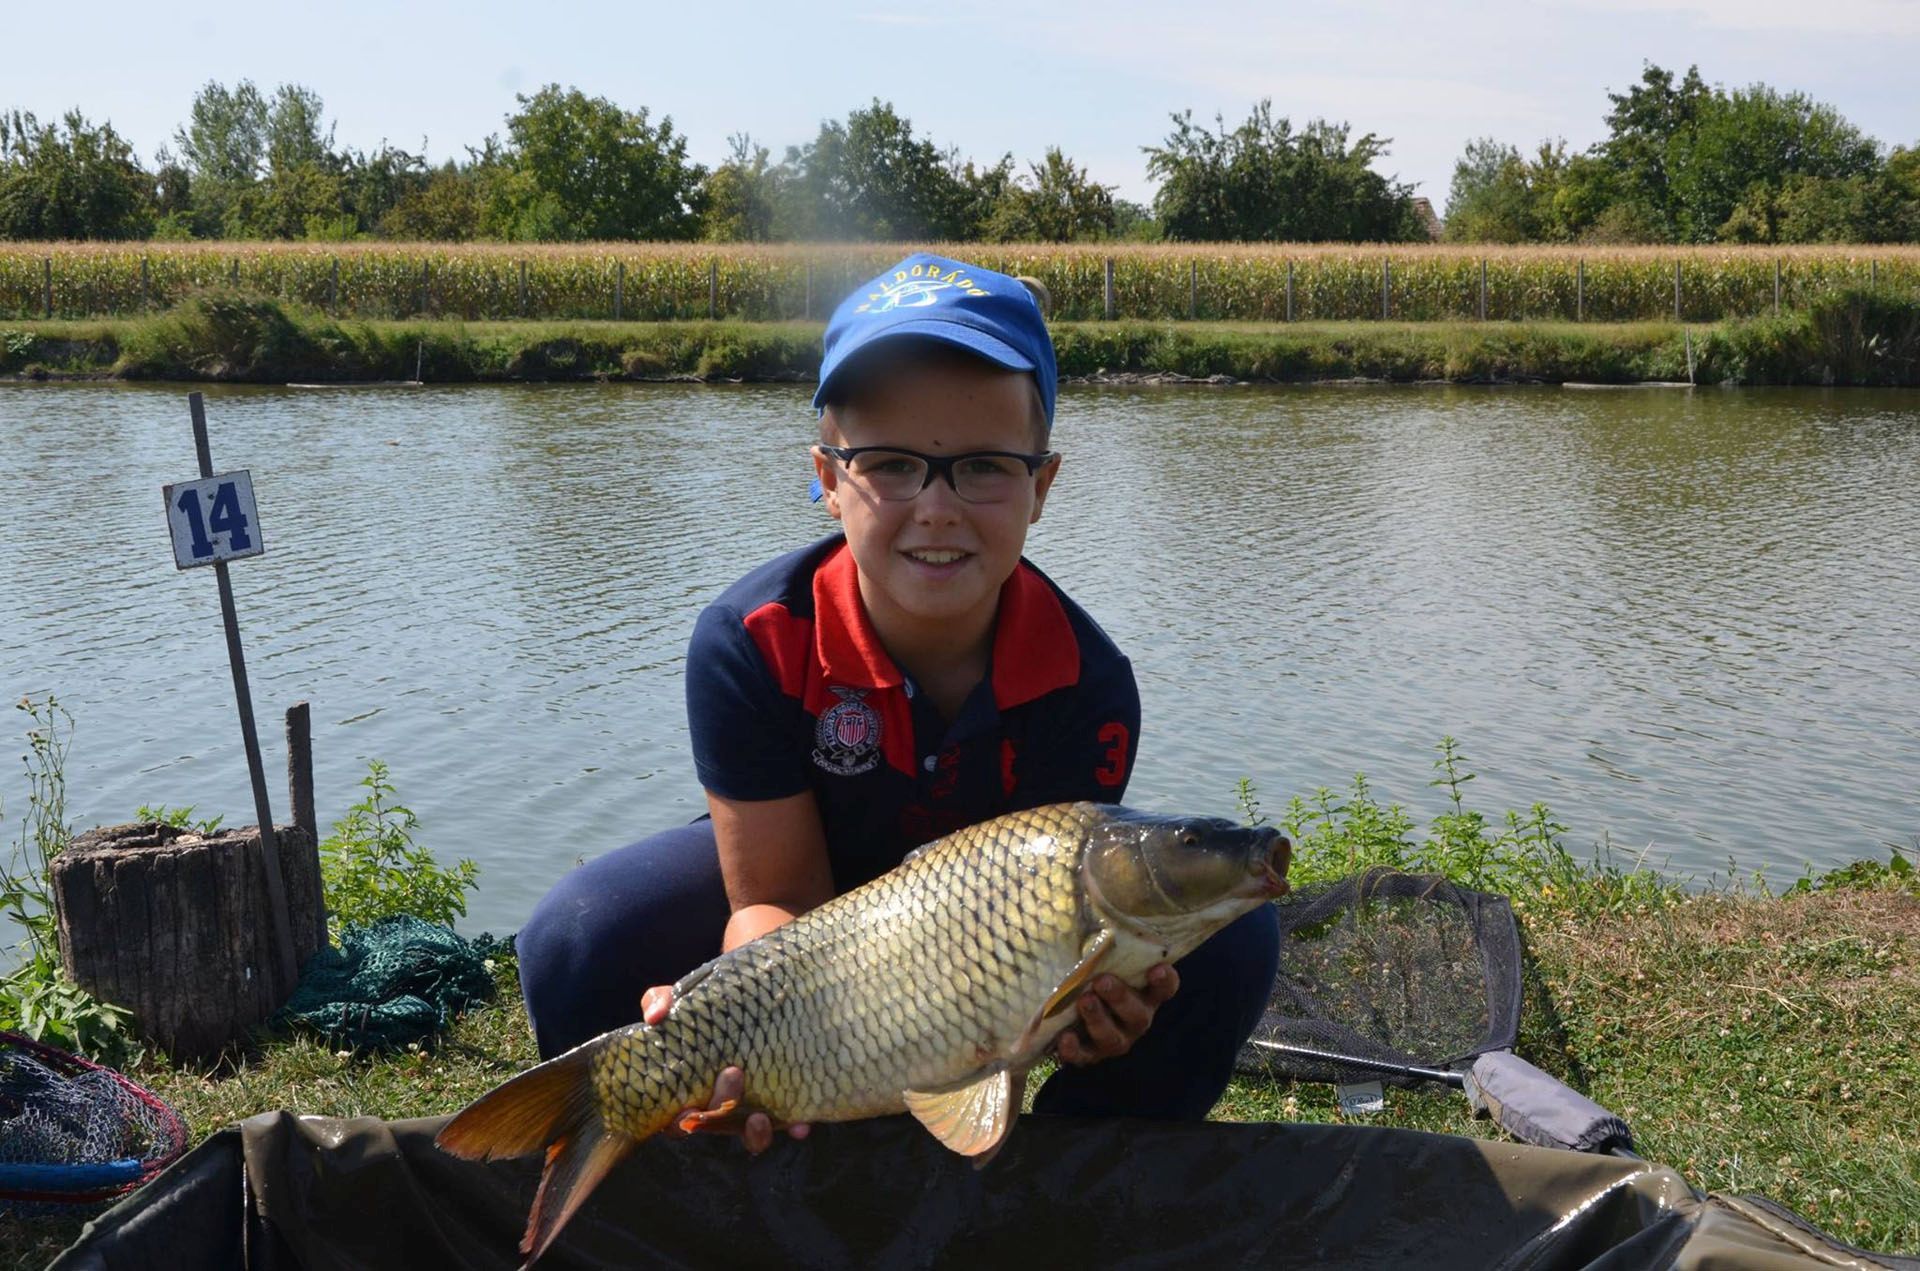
(1113, 1016)
(756, 1129)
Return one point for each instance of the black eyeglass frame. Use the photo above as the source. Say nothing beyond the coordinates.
(939, 465)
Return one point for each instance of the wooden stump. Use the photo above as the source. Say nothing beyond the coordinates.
(176, 927)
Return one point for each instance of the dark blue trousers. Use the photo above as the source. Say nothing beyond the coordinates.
(648, 913)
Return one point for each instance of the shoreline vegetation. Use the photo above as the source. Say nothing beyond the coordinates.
(1758, 1039)
(1849, 337)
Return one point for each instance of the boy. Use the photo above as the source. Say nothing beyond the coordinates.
(864, 695)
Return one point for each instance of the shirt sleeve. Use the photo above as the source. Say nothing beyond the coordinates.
(748, 737)
(1084, 747)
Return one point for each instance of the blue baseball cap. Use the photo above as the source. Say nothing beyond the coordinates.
(989, 315)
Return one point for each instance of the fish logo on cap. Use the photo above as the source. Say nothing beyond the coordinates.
(915, 288)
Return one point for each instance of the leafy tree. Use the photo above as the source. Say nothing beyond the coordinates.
(445, 208)
(1646, 124)
(1263, 181)
(872, 178)
(1492, 199)
(1746, 146)
(224, 147)
(70, 179)
(293, 133)
(577, 167)
(1055, 202)
(741, 195)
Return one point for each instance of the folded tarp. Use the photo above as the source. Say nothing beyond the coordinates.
(281, 1192)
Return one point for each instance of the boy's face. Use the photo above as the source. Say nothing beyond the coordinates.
(935, 558)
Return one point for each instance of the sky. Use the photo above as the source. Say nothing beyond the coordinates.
(1097, 79)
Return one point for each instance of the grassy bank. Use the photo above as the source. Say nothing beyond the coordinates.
(1757, 1044)
(1851, 338)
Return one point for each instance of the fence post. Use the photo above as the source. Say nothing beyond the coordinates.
(713, 289)
(523, 288)
(1580, 291)
(426, 295)
(1483, 289)
(1676, 290)
(146, 286)
(619, 287)
(333, 287)
(1776, 286)
(1106, 288)
(1193, 289)
(806, 307)
(1289, 291)
(1873, 275)
(233, 272)
(1386, 288)
(46, 285)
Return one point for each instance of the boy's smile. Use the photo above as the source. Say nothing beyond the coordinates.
(931, 566)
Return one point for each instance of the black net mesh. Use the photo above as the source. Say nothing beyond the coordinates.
(1405, 968)
(398, 981)
(73, 1133)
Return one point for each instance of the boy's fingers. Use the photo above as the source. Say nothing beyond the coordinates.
(1104, 1039)
(1162, 983)
(1130, 1011)
(759, 1133)
(656, 1002)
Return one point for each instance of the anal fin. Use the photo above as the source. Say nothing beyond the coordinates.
(973, 1119)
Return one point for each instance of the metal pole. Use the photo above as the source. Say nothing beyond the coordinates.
(1873, 275)
(333, 287)
(1483, 289)
(1676, 291)
(1580, 292)
(1107, 293)
(1289, 291)
(146, 285)
(619, 287)
(1386, 288)
(1193, 289)
(270, 854)
(1776, 287)
(300, 790)
(523, 288)
(46, 284)
(426, 294)
(713, 290)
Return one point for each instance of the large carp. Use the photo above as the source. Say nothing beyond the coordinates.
(931, 989)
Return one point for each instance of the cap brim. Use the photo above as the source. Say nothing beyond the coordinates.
(958, 334)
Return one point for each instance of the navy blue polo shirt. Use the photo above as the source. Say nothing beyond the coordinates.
(789, 689)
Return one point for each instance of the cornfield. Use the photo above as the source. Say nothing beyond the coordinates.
(653, 282)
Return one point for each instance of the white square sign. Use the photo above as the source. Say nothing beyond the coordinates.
(213, 519)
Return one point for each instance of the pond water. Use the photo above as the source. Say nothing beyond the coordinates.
(1685, 620)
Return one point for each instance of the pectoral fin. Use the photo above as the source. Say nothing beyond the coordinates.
(973, 1119)
(1083, 971)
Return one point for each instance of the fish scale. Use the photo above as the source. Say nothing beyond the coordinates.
(817, 1014)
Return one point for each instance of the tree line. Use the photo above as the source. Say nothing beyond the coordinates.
(1682, 162)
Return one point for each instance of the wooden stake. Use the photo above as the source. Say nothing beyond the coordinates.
(243, 698)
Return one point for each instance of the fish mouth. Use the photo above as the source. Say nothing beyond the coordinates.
(1272, 868)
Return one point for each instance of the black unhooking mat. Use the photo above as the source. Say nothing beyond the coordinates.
(280, 1192)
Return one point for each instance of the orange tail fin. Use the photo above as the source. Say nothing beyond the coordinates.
(551, 1107)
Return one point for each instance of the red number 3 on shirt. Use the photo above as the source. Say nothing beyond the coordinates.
(1114, 771)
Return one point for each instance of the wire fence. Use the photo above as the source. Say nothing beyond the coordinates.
(680, 282)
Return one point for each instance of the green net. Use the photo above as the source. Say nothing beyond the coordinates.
(391, 984)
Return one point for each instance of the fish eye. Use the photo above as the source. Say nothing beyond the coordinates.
(1189, 839)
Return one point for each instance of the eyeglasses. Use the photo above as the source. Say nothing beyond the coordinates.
(979, 476)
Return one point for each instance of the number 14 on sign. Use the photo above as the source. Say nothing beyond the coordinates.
(213, 519)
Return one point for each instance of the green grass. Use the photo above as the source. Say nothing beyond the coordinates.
(1755, 1043)
(1852, 338)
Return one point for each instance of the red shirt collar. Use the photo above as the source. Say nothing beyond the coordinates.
(1034, 648)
